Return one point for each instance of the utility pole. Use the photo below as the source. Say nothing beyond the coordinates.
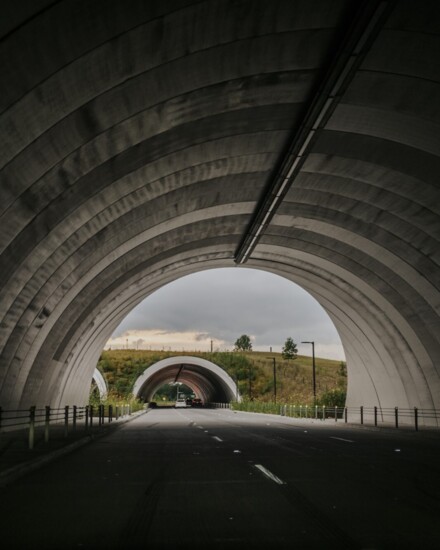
(314, 370)
(250, 384)
(274, 380)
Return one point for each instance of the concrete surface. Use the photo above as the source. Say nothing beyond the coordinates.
(218, 479)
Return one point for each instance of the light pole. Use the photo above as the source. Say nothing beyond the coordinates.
(177, 384)
(274, 380)
(314, 370)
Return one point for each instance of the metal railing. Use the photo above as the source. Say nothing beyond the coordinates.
(70, 418)
(89, 418)
(375, 416)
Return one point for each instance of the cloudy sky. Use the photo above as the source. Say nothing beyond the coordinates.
(221, 305)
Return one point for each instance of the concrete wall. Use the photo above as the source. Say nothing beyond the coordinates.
(139, 139)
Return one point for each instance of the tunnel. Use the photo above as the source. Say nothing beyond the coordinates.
(100, 382)
(145, 141)
(209, 382)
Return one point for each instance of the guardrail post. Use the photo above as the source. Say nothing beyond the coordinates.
(75, 413)
(31, 427)
(66, 420)
(416, 418)
(336, 413)
(396, 416)
(346, 414)
(91, 416)
(323, 412)
(375, 416)
(300, 411)
(362, 414)
(46, 424)
(110, 413)
(316, 412)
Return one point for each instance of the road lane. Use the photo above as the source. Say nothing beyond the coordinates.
(383, 490)
(199, 478)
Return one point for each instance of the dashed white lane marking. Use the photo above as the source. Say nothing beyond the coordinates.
(270, 475)
(217, 438)
(342, 439)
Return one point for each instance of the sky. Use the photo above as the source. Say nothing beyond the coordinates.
(221, 305)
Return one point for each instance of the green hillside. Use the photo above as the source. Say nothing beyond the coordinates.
(253, 372)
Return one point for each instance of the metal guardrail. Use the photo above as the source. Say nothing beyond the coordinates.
(90, 417)
(70, 417)
(374, 416)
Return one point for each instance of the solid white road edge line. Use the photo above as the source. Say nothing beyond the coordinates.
(217, 438)
(342, 439)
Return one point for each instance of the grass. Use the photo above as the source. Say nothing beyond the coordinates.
(253, 372)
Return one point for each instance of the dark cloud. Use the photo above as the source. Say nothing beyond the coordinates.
(225, 303)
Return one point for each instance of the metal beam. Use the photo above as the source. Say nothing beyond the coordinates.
(178, 373)
(366, 24)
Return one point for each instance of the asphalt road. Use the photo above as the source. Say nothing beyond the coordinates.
(196, 478)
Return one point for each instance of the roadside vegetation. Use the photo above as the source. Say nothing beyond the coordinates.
(251, 370)
(114, 399)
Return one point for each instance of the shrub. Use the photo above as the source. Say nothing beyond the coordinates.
(332, 398)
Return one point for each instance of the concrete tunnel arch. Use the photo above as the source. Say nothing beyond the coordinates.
(101, 383)
(167, 137)
(209, 382)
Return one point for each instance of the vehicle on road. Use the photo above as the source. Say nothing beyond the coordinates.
(180, 403)
(197, 402)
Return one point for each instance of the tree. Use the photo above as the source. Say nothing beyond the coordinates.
(243, 343)
(290, 350)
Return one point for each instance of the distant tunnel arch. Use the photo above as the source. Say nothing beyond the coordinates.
(208, 381)
(101, 383)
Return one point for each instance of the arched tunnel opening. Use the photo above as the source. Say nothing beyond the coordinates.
(209, 382)
(143, 141)
(297, 138)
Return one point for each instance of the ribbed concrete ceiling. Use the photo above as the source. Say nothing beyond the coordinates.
(143, 141)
